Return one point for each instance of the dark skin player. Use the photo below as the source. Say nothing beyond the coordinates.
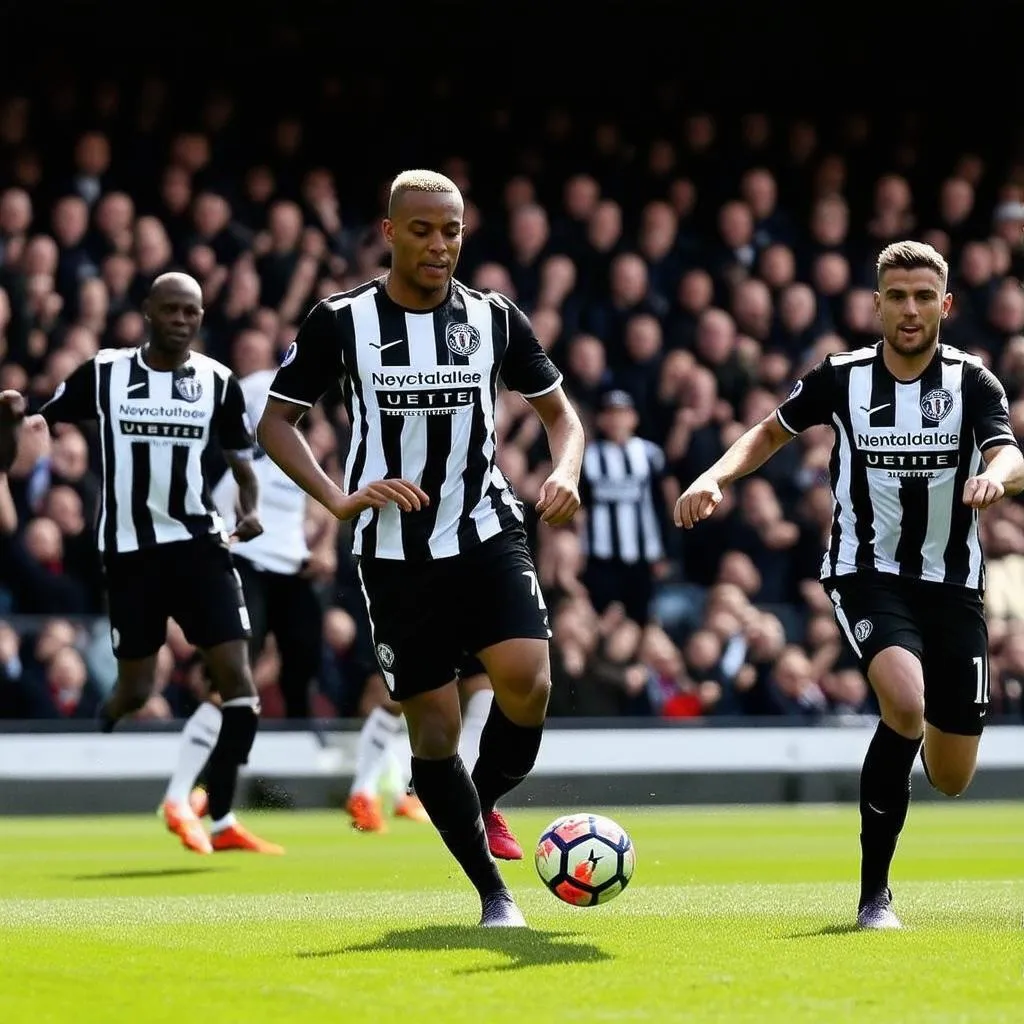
(424, 231)
(174, 312)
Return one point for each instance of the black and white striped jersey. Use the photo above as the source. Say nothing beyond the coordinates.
(154, 426)
(620, 489)
(902, 454)
(420, 389)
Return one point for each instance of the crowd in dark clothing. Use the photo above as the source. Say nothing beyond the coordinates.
(699, 270)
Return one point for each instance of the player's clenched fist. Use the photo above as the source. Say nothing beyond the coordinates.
(697, 502)
(559, 500)
(980, 492)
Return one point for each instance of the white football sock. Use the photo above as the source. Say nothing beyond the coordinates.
(478, 707)
(198, 739)
(227, 821)
(375, 737)
(400, 764)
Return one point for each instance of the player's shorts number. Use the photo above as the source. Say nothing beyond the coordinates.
(535, 590)
(981, 694)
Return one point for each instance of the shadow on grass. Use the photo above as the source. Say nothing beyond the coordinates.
(524, 947)
(847, 928)
(104, 876)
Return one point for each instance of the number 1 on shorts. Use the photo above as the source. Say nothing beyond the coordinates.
(981, 671)
(535, 590)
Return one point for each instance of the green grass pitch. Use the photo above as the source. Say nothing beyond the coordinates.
(733, 915)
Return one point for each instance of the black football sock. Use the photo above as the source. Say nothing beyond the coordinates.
(239, 721)
(884, 801)
(507, 753)
(449, 797)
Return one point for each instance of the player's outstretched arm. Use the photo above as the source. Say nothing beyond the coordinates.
(560, 494)
(1003, 475)
(750, 451)
(280, 437)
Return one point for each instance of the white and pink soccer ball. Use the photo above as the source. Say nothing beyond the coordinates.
(585, 859)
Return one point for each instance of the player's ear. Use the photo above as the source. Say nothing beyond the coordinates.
(947, 304)
(387, 228)
(878, 305)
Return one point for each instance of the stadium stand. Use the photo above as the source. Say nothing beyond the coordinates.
(696, 263)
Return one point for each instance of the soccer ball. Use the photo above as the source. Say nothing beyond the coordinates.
(585, 859)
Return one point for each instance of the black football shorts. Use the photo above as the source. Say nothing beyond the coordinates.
(942, 624)
(426, 617)
(193, 582)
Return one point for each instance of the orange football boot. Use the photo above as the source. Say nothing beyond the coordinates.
(199, 802)
(236, 837)
(412, 808)
(180, 820)
(365, 813)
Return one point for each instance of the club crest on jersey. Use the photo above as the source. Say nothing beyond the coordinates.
(189, 388)
(385, 655)
(862, 630)
(462, 339)
(937, 404)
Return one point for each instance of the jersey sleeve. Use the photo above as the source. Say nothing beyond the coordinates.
(526, 367)
(313, 362)
(74, 400)
(990, 410)
(231, 422)
(811, 401)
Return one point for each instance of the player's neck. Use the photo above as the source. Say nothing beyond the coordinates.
(907, 367)
(410, 297)
(163, 362)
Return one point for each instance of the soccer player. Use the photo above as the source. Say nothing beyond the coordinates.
(922, 443)
(439, 534)
(277, 573)
(164, 545)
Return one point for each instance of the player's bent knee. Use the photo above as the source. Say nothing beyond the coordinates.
(951, 758)
(520, 671)
(228, 665)
(896, 677)
(435, 723)
(134, 684)
(950, 785)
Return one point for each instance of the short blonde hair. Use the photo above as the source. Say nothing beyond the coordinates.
(912, 256)
(420, 181)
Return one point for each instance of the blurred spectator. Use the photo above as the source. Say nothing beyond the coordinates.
(624, 494)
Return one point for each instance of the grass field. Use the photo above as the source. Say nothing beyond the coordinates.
(733, 915)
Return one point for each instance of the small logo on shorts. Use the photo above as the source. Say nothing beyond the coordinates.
(797, 388)
(385, 655)
(115, 638)
(290, 354)
(862, 630)
(462, 339)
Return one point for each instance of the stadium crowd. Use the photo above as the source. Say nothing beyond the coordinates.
(691, 274)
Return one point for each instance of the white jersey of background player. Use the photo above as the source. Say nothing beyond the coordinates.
(282, 546)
